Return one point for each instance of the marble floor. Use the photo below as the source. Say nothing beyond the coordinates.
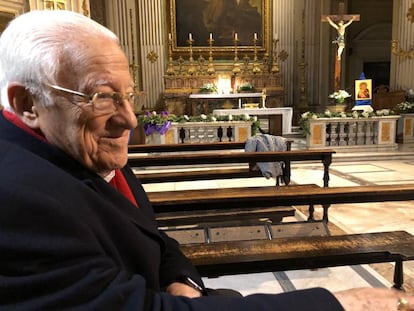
(347, 169)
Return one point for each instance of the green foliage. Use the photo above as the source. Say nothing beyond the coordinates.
(208, 88)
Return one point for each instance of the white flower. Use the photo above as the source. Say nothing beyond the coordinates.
(213, 119)
(246, 116)
(255, 119)
(203, 116)
(305, 115)
(230, 117)
(365, 114)
(355, 114)
(340, 95)
(327, 113)
(314, 116)
(383, 112)
(154, 113)
(186, 117)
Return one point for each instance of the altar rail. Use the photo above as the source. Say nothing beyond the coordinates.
(203, 132)
(406, 128)
(353, 133)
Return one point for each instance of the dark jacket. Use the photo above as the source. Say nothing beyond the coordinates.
(68, 240)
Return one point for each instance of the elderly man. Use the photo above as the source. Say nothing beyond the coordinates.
(76, 228)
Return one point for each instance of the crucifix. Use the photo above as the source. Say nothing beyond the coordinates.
(340, 22)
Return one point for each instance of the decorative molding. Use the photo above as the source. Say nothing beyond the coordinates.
(152, 56)
(410, 14)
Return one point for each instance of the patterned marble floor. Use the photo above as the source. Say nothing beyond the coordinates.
(346, 170)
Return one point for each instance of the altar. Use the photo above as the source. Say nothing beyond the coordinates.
(285, 113)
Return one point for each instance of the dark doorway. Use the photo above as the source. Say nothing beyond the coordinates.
(379, 72)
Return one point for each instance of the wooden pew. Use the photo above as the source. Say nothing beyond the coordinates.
(229, 145)
(239, 257)
(163, 159)
(199, 174)
(148, 160)
(243, 197)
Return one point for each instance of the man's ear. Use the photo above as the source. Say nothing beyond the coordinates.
(22, 103)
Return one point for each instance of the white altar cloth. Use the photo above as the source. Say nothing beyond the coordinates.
(286, 112)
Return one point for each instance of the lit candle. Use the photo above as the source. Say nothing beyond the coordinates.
(211, 36)
(169, 36)
(235, 36)
(255, 36)
(190, 36)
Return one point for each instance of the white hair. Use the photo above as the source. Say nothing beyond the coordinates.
(33, 45)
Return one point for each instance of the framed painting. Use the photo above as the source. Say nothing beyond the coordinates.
(363, 89)
(221, 20)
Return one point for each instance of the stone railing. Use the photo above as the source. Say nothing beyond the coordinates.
(199, 132)
(353, 133)
(406, 128)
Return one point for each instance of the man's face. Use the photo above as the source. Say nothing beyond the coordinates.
(98, 141)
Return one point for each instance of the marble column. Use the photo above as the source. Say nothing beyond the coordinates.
(402, 67)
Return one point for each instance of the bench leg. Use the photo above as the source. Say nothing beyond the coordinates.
(398, 275)
(311, 211)
(325, 212)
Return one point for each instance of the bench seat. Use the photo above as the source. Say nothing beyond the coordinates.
(245, 215)
(292, 253)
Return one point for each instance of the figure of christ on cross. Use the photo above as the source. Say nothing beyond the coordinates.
(340, 22)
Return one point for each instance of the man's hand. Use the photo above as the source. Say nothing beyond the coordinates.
(180, 289)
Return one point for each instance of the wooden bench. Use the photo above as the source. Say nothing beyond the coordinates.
(198, 158)
(244, 197)
(239, 257)
(200, 174)
(166, 156)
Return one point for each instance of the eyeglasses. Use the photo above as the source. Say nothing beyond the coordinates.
(103, 102)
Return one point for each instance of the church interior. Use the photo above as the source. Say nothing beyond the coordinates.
(284, 58)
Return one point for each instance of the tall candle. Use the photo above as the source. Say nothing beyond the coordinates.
(169, 36)
(255, 36)
(190, 36)
(211, 36)
(235, 36)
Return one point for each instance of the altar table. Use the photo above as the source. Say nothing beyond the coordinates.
(286, 112)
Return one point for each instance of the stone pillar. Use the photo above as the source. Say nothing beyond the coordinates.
(402, 67)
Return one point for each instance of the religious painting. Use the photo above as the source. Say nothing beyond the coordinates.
(363, 89)
(5, 18)
(220, 20)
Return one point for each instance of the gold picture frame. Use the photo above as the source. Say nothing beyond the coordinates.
(222, 19)
(363, 89)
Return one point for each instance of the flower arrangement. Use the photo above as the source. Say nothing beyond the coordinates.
(304, 125)
(245, 87)
(405, 107)
(153, 122)
(340, 96)
(208, 88)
